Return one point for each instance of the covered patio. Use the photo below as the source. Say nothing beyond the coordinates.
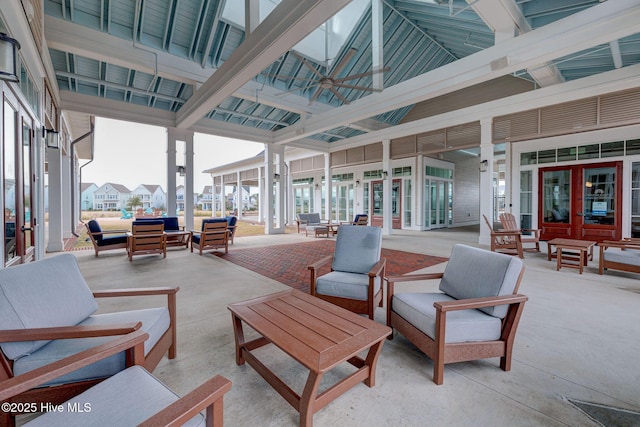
(570, 346)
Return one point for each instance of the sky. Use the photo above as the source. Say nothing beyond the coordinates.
(132, 154)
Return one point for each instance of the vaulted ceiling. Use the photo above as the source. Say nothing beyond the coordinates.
(312, 73)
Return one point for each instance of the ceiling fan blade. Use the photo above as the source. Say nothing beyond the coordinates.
(315, 95)
(290, 77)
(309, 66)
(357, 76)
(300, 89)
(342, 98)
(368, 89)
(343, 63)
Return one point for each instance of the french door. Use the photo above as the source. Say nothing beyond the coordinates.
(438, 201)
(581, 202)
(377, 203)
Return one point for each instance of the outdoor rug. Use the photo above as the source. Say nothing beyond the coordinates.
(288, 263)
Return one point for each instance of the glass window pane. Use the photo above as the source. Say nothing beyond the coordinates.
(599, 195)
(547, 156)
(557, 196)
(591, 151)
(10, 122)
(611, 149)
(633, 146)
(529, 158)
(566, 154)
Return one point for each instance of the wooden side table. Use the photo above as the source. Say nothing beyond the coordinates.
(580, 252)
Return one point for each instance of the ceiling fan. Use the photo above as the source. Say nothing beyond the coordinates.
(331, 81)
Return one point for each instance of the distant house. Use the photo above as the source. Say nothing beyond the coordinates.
(111, 197)
(151, 196)
(180, 198)
(206, 199)
(87, 189)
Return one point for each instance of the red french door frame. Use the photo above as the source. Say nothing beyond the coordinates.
(573, 224)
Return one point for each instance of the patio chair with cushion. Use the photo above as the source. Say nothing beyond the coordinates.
(214, 235)
(355, 280)
(130, 397)
(301, 219)
(147, 238)
(621, 255)
(527, 235)
(105, 240)
(505, 241)
(232, 223)
(474, 316)
(48, 313)
(359, 219)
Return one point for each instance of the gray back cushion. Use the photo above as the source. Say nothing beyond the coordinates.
(474, 273)
(313, 218)
(41, 294)
(357, 248)
(303, 216)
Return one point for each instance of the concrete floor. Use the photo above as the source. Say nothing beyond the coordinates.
(578, 339)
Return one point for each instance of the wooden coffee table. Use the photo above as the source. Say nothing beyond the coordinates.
(317, 334)
(579, 250)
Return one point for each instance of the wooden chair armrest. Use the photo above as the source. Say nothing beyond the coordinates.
(320, 262)
(147, 235)
(391, 280)
(622, 244)
(66, 332)
(188, 406)
(535, 231)
(467, 304)
(133, 292)
(196, 231)
(378, 268)
(21, 383)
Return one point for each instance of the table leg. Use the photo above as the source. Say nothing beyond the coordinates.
(558, 257)
(308, 398)
(239, 337)
(583, 259)
(372, 362)
(548, 251)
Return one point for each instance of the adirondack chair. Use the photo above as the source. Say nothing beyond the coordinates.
(527, 235)
(505, 241)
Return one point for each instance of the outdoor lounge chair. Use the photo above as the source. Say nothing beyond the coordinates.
(505, 241)
(357, 270)
(214, 235)
(126, 214)
(48, 313)
(105, 240)
(621, 255)
(359, 219)
(527, 235)
(130, 397)
(147, 238)
(475, 316)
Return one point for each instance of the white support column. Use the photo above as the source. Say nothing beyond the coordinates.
(269, 170)
(188, 182)
(55, 241)
(171, 172)
(261, 196)
(377, 42)
(239, 195)
(280, 190)
(291, 201)
(387, 220)
(418, 194)
(38, 190)
(486, 180)
(67, 182)
(327, 187)
(223, 197)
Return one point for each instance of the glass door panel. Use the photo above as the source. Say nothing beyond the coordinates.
(11, 229)
(29, 221)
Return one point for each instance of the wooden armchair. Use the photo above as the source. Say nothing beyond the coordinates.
(359, 219)
(214, 235)
(474, 317)
(505, 241)
(527, 235)
(620, 255)
(130, 397)
(147, 238)
(357, 271)
(50, 304)
(105, 240)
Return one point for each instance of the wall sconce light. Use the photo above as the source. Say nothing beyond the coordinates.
(484, 165)
(182, 171)
(276, 176)
(385, 174)
(8, 58)
(52, 137)
(317, 186)
(357, 183)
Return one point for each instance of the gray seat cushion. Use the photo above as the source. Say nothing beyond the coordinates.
(346, 285)
(126, 399)
(628, 256)
(155, 321)
(462, 326)
(474, 273)
(41, 294)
